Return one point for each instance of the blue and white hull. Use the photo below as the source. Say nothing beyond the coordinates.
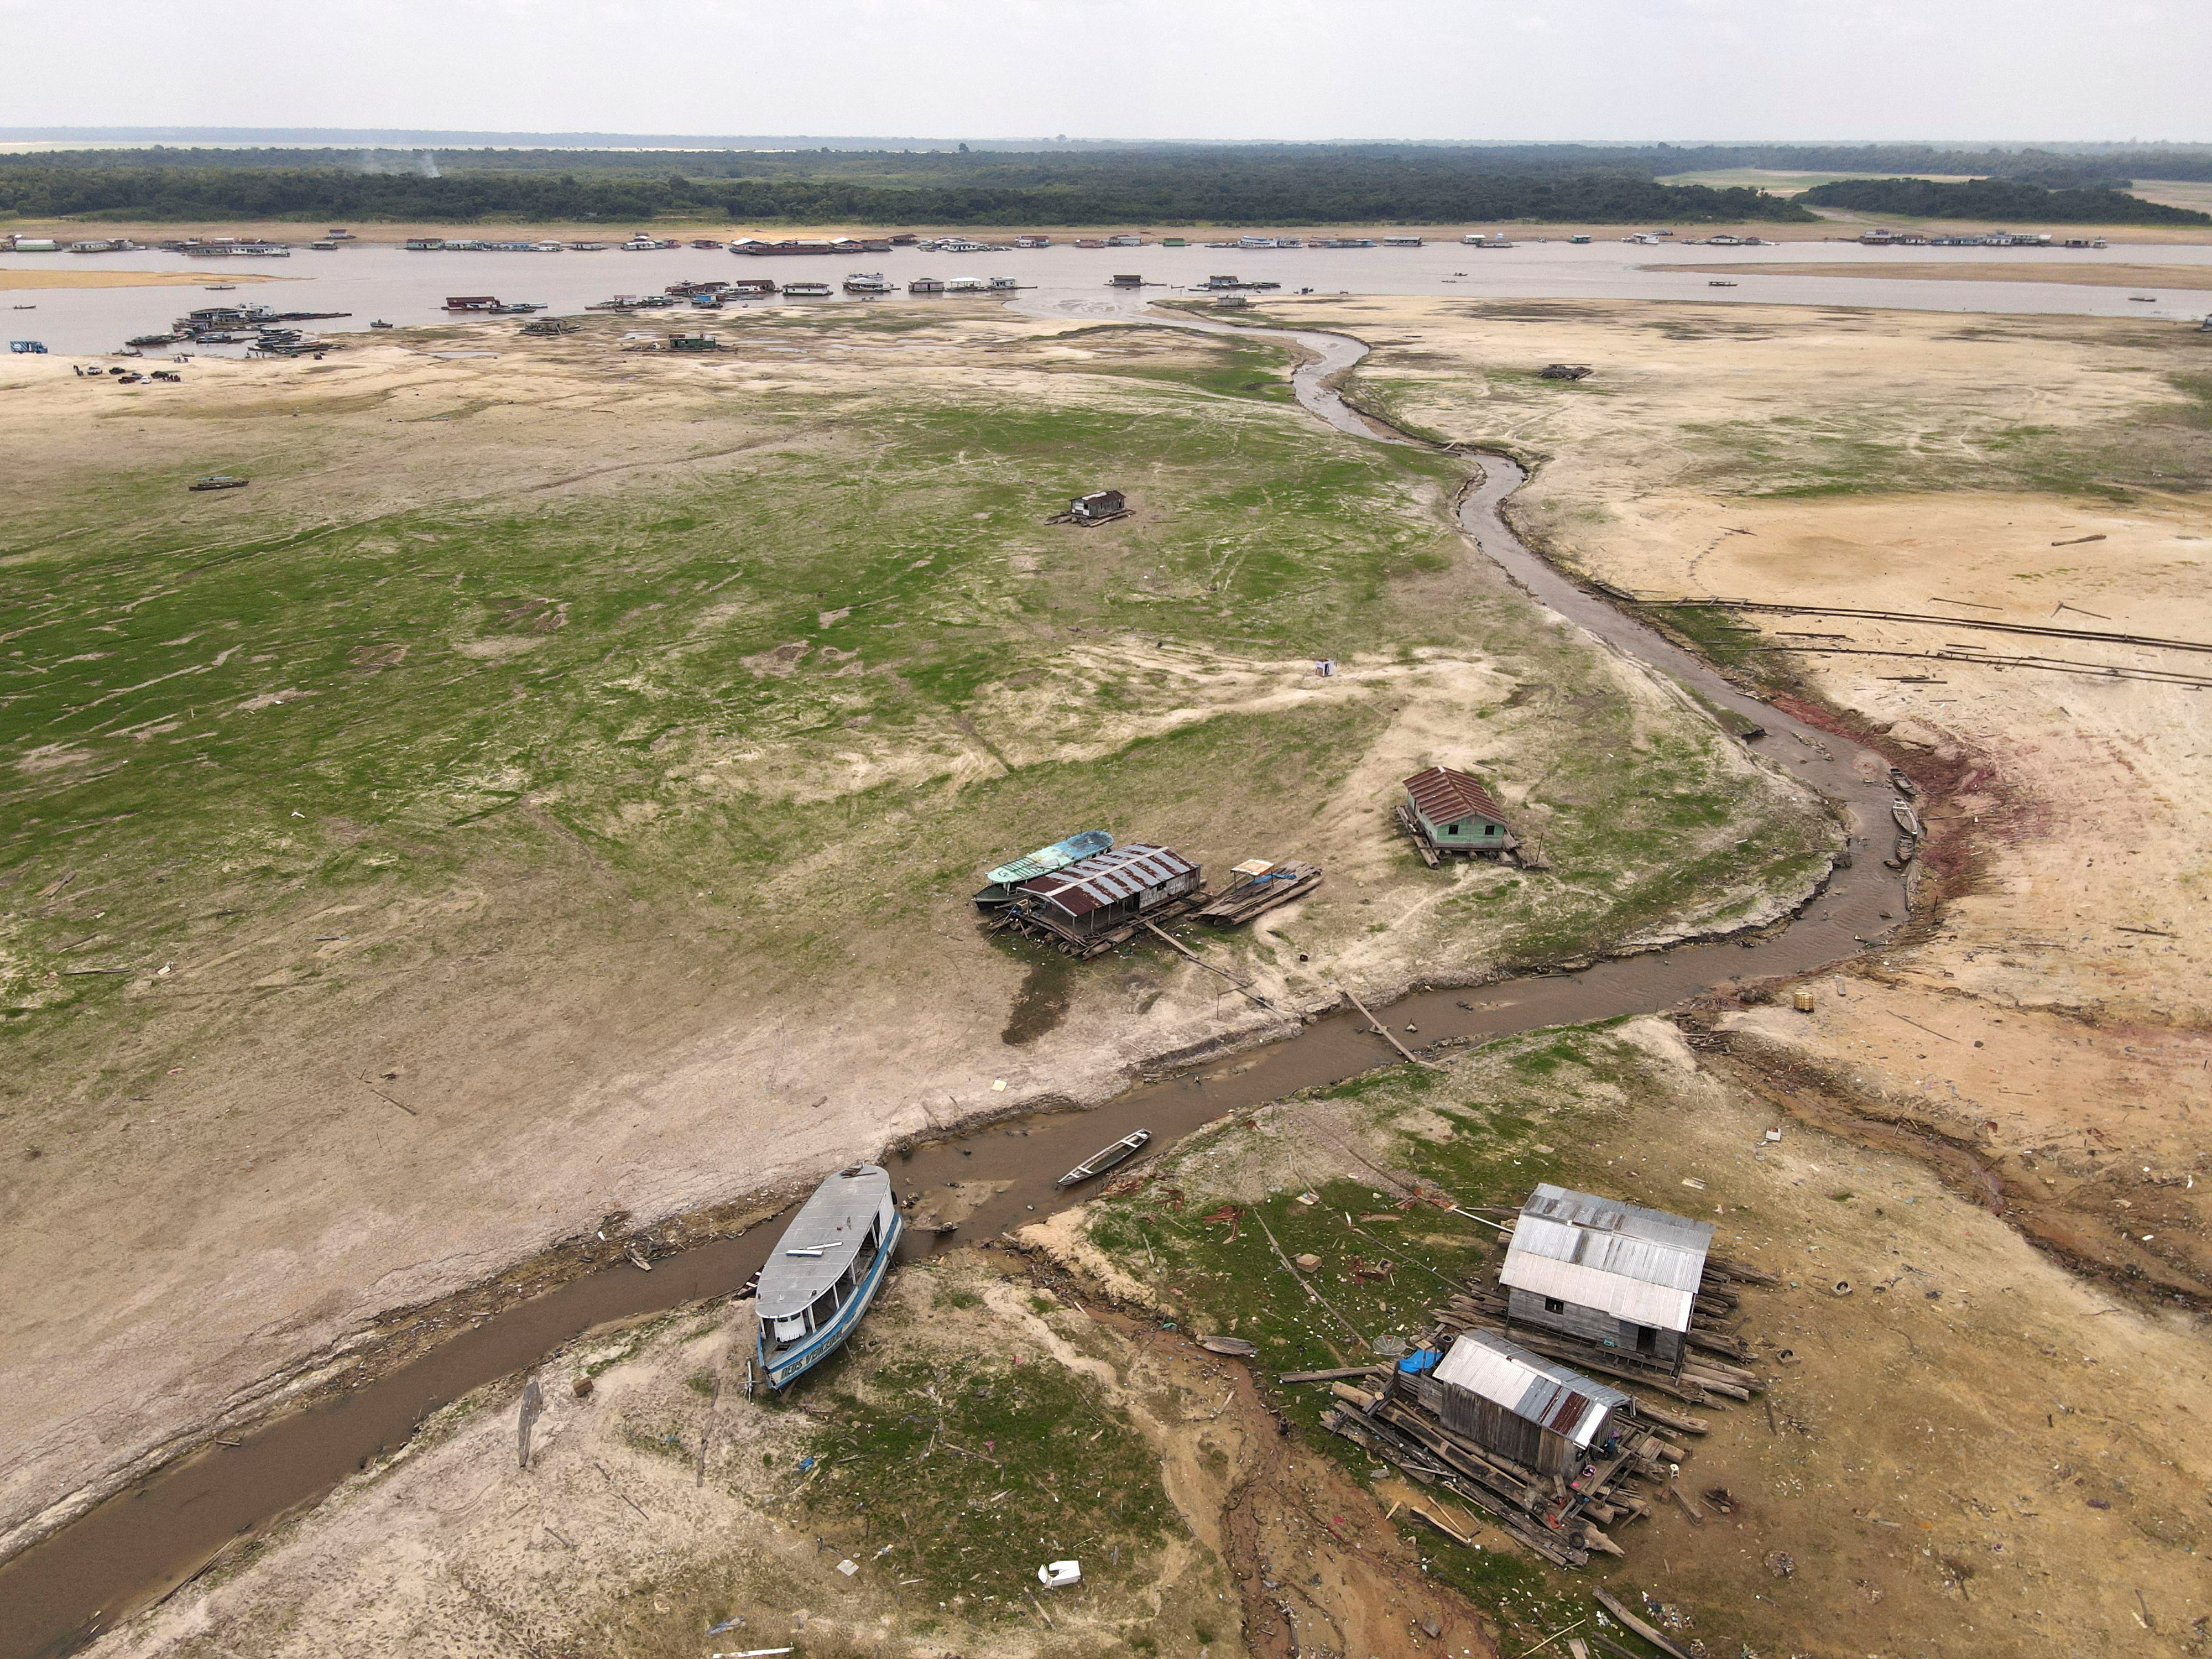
(786, 1361)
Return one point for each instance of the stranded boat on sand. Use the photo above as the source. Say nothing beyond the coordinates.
(1042, 862)
(826, 1269)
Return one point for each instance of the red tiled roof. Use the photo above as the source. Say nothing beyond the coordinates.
(1441, 794)
(1105, 879)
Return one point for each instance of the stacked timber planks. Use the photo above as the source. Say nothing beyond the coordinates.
(1562, 1521)
(1257, 894)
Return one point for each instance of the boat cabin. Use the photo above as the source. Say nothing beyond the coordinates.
(1609, 1273)
(1098, 504)
(825, 1270)
(1457, 814)
(1107, 891)
(1520, 1404)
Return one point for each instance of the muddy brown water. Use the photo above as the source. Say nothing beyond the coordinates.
(141, 1544)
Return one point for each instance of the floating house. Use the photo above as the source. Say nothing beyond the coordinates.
(926, 285)
(1108, 890)
(1609, 1273)
(1127, 279)
(1456, 816)
(1518, 1404)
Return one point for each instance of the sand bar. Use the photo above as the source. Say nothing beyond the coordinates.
(2102, 274)
(13, 280)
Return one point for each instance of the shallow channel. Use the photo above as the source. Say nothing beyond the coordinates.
(141, 1544)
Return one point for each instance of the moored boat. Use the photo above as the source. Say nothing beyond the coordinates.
(826, 1271)
(1042, 862)
(1098, 1162)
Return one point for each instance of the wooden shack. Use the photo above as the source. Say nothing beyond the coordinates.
(1456, 815)
(1520, 1404)
(1609, 1273)
(1099, 504)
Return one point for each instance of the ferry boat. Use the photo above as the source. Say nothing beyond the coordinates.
(826, 1271)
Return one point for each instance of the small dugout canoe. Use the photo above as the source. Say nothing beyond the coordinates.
(1098, 1162)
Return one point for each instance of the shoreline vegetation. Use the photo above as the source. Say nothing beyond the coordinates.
(1049, 186)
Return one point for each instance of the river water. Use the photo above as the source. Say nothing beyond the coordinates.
(376, 281)
(145, 1540)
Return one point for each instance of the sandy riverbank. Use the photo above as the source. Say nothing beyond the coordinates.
(2096, 273)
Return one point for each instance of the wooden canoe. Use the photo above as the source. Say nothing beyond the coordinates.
(1098, 1162)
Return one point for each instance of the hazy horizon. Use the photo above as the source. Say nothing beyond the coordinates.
(1120, 70)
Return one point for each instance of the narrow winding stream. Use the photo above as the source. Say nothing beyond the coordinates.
(140, 1544)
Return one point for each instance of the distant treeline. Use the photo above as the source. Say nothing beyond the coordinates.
(1130, 165)
(2002, 199)
(1226, 187)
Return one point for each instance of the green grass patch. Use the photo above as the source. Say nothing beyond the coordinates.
(975, 1473)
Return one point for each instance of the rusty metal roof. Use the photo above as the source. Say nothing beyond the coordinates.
(1441, 794)
(1642, 1265)
(1106, 879)
(1529, 1386)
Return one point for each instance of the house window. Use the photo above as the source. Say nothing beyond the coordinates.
(1554, 1304)
(1489, 829)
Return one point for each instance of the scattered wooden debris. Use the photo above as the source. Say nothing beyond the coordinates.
(1565, 371)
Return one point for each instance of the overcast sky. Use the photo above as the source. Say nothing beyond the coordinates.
(1128, 69)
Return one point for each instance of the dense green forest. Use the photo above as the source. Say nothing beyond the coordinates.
(2001, 199)
(1132, 184)
(1291, 186)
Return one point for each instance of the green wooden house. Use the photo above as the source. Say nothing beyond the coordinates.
(1456, 816)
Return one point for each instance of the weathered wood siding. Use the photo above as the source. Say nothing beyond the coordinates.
(1526, 1307)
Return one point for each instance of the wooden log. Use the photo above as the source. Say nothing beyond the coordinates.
(1328, 1376)
(1241, 985)
(1591, 1538)
(1742, 1272)
(1675, 1420)
(1689, 1504)
(1613, 1605)
(1383, 1031)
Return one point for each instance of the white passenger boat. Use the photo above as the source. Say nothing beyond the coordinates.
(826, 1269)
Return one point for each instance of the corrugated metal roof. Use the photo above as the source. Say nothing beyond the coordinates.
(1642, 1265)
(1441, 795)
(1544, 1393)
(834, 1221)
(1107, 877)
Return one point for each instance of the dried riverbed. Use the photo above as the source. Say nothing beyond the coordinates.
(138, 1544)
